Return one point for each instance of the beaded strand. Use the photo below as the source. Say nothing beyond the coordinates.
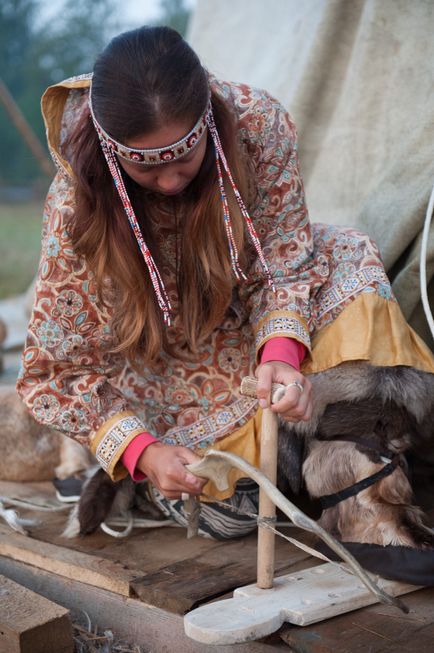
(157, 282)
(252, 232)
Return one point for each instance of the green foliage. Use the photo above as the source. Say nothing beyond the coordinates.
(35, 53)
(32, 58)
(20, 244)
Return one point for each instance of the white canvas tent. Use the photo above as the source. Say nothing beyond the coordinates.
(358, 78)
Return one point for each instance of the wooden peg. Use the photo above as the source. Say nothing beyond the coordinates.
(268, 465)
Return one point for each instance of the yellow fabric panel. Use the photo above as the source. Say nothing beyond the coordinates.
(245, 442)
(52, 107)
(371, 328)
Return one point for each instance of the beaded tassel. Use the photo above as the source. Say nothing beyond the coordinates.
(157, 282)
(228, 225)
(252, 232)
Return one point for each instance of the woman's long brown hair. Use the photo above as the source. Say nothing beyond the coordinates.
(143, 79)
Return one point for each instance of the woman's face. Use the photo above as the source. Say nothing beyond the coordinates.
(165, 178)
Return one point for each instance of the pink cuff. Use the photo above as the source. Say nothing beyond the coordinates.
(285, 350)
(133, 452)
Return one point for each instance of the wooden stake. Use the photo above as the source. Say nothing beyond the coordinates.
(267, 509)
(268, 465)
(26, 131)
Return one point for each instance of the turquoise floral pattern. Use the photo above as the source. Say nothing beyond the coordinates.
(50, 333)
(46, 408)
(69, 303)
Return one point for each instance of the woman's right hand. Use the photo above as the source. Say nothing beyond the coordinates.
(164, 465)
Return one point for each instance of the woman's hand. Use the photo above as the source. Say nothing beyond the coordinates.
(164, 465)
(295, 405)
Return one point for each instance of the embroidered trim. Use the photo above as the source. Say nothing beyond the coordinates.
(58, 163)
(208, 430)
(351, 286)
(121, 431)
(282, 325)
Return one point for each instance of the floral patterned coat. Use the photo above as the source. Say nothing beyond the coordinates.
(323, 277)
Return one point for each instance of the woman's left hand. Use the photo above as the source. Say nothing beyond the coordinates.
(296, 404)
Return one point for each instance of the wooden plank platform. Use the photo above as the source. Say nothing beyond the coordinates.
(142, 586)
(29, 623)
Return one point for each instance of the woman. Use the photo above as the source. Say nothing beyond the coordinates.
(177, 258)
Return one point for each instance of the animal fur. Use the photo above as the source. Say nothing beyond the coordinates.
(394, 407)
(74, 458)
(382, 514)
(30, 451)
(101, 498)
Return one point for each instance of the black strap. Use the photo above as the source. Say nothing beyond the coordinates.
(367, 442)
(330, 500)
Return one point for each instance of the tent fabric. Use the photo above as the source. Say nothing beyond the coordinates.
(358, 78)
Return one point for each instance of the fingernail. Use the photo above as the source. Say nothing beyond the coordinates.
(263, 403)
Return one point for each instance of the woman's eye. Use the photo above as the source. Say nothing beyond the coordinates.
(142, 169)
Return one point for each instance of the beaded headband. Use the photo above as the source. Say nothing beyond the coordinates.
(111, 149)
(155, 156)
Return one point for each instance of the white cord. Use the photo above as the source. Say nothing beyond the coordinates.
(119, 534)
(424, 247)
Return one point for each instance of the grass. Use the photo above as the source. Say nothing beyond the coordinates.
(20, 242)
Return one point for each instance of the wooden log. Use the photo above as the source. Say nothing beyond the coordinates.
(67, 562)
(30, 623)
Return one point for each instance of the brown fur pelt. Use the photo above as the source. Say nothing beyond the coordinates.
(382, 409)
(382, 514)
(30, 451)
(102, 498)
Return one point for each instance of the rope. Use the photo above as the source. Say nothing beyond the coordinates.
(266, 523)
(422, 268)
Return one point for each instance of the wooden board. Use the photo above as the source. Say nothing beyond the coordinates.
(377, 629)
(304, 598)
(176, 587)
(153, 553)
(155, 565)
(70, 564)
(30, 623)
(131, 620)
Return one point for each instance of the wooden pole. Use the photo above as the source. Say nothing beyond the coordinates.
(25, 131)
(268, 465)
(267, 509)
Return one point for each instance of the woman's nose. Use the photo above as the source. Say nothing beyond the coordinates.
(169, 182)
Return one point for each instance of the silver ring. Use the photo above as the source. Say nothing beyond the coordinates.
(185, 496)
(295, 384)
